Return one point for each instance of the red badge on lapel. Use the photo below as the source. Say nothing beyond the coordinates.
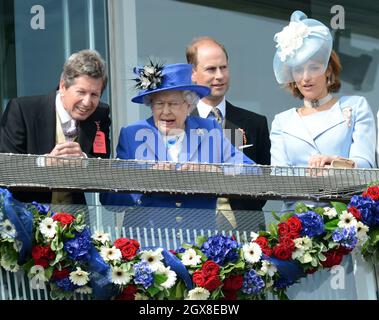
(99, 141)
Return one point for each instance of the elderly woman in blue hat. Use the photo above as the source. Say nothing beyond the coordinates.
(171, 135)
(323, 127)
(320, 130)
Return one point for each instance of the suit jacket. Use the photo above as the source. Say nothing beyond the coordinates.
(256, 132)
(203, 142)
(28, 126)
(347, 129)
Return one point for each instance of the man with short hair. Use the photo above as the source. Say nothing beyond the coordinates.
(69, 122)
(248, 130)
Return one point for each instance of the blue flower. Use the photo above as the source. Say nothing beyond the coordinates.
(78, 248)
(368, 208)
(312, 224)
(42, 208)
(144, 274)
(347, 237)
(252, 283)
(283, 283)
(220, 249)
(65, 284)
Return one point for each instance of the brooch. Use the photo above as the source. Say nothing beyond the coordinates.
(200, 132)
(244, 138)
(347, 114)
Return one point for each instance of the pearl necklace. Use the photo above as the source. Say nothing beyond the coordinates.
(316, 103)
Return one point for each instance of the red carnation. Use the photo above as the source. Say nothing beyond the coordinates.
(128, 293)
(63, 218)
(233, 283)
(282, 252)
(355, 212)
(294, 224)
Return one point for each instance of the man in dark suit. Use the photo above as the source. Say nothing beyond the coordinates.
(248, 130)
(69, 122)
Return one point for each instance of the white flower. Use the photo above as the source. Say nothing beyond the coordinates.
(7, 229)
(297, 253)
(171, 277)
(38, 278)
(17, 245)
(140, 296)
(268, 268)
(84, 290)
(304, 243)
(8, 265)
(48, 227)
(198, 293)
(253, 236)
(101, 237)
(79, 277)
(120, 276)
(190, 258)
(362, 230)
(252, 252)
(347, 220)
(153, 258)
(290, 39)
(330, 212)
(109, 254)
(149, 70)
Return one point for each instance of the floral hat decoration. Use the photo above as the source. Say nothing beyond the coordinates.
(301, 41)
(155, 77)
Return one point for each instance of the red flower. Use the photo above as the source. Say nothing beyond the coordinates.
(60, 274)
(282, 252)
(267, 251)
(283, 229)
(355, 212)
(262, 241)
(210, 268)
(294, 224)
(63, 218)
(198, 278)
(287, 242)
(128, 293)
(372, 193)
(230, 295)
(233, 283)
(212, 283)
(42, 254)
(311, 270)
(128, 247)
(333, 258)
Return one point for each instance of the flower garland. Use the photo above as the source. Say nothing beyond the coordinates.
(58, 250)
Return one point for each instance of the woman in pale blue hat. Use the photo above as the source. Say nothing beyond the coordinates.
(321, 129)
(171, 136)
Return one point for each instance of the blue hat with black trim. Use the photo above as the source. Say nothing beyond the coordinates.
(157, 78)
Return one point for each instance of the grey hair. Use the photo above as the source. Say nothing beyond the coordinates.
(190, 97)
(84, 63)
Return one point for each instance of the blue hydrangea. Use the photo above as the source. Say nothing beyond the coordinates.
(252, 283)
(144, 274)
(312, 224)
(283, 283)
(220, 249)
(42, 208)
(79, 247)
(347, 237)
(368, 208)
(65, 284)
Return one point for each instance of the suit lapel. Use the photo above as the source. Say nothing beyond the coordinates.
(46, 125)
(86, 134)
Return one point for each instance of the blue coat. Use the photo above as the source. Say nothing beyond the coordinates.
(204, 142)
(347, 129)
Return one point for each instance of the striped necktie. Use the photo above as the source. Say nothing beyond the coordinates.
(217, 114)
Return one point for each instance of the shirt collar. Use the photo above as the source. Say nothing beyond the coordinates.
(204, 109)
(64, 116)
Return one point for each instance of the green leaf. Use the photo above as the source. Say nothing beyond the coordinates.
(159, 278)
(301, 207)
(153, 290)
(331, 225)
(273, 228)
(276, 217)
(286, 216)
(374, 236)
(200, 240)
(339, 206)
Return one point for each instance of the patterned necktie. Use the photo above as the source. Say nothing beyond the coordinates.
(71, 132)
(217, 114)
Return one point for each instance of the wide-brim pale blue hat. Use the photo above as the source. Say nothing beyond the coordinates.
(154, 78)
(302, 40)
